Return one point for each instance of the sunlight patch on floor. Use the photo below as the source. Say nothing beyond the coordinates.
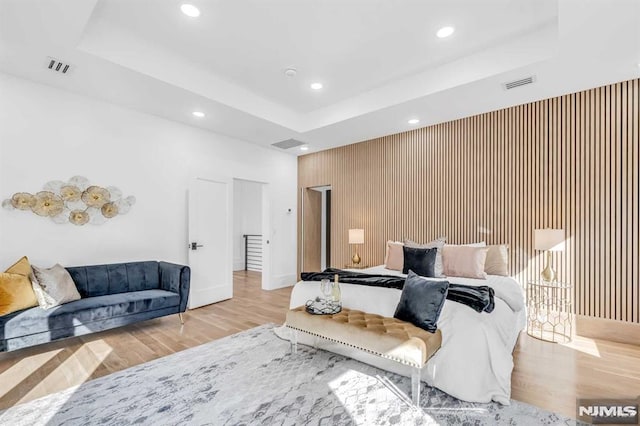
(349, 390)
(584, 345)
(89, 356)
(18, 372)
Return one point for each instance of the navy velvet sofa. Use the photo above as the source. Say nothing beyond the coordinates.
(112, 296)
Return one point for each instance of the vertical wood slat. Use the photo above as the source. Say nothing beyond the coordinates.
(569, 162)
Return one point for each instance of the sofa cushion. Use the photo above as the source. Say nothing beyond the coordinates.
(99, 280)
(85, 311)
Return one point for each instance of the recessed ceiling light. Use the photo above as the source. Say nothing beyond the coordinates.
(445, 32)
(413, 121)
(316, 86)
(198, 114)
(290, 72)
(190, 10)
(304, 148)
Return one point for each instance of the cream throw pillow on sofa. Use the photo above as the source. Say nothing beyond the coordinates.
(53, 286)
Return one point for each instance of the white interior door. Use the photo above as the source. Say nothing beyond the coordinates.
(210, 241)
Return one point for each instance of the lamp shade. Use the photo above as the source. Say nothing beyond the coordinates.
(548, 239)
(356, 236)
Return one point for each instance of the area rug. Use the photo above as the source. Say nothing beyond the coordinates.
(251, 378)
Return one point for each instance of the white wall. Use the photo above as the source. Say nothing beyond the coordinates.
(50, 134)
(247, 218)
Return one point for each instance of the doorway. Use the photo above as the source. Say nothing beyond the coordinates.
(209, 241)
(248, 232)
(316, 228)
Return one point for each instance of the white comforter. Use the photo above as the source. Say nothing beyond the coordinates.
(475, 360)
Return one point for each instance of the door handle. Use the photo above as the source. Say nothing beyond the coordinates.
(194, 246)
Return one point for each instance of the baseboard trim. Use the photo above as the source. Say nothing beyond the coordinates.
(281, 281)
(606, 329)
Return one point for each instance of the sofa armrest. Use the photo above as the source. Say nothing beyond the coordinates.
(176, 278)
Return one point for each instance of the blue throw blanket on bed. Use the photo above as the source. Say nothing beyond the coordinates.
(480, 298)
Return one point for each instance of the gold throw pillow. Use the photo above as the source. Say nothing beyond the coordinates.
(16, 291)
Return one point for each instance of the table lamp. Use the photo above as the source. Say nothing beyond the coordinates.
(548, 240)
(356, 236)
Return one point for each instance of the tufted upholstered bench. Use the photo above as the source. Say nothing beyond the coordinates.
(388, 338)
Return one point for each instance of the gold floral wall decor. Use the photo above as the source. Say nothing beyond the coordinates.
(75, 201)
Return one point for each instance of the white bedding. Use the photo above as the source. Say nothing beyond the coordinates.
(475, 360)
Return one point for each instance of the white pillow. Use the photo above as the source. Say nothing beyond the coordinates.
(53, 286)
(478, 244)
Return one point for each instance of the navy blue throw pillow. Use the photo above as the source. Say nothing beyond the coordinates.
(420, 260)
(421, 301)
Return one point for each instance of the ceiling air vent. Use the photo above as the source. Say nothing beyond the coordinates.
(517, 83)
(289, 143)
(55, 65)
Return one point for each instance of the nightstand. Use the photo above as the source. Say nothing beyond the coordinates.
(550, 311)
(356, 266)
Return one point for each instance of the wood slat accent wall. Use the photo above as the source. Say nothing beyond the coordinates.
(569, 162)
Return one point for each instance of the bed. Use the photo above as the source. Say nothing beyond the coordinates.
(475, 360)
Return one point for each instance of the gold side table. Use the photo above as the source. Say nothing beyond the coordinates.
(550, 311)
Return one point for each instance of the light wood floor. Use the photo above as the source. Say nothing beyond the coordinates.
(545, 374)
(553, 376)
(33, 372)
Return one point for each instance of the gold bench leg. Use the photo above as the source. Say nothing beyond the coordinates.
(415, 386)
(181, 318)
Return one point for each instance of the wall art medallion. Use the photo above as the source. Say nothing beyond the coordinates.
(75, 201)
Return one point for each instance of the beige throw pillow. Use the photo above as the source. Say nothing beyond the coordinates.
(53, 286)
(497, 262)
(438, 243)
(464, 261)
(394, 258)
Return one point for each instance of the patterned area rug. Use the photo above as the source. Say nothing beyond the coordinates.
(251, 378)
